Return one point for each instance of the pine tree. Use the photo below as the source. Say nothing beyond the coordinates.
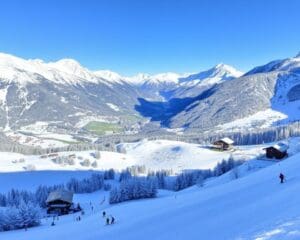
(95, 164)
(28, 215)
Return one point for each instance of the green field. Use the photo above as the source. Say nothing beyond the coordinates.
(132, 117)
(101, 128)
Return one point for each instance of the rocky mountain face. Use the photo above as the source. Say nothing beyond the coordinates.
(272, 86)
(64, 91)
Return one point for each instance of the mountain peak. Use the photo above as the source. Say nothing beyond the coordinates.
(214, 75)
(227, 69)
(67, 65)
(220, 65)
(108, 75)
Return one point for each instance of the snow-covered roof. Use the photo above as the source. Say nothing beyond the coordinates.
(227, 140)
(63, 195)
(282, 147)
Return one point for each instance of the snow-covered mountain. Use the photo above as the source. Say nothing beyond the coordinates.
(65, 91)
(193, 84)
(217, 74)
(34, 90)
(210, 101)
(288, 64)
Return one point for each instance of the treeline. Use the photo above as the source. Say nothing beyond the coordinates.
(109, 143)
(95, 182)
(92, 184)
(132, 187)
(258, 136)
(29, 150)
(22, 209)
(271, 134)
(24, 215)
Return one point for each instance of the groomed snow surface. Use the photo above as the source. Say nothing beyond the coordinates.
(253, 206)
(155, 155)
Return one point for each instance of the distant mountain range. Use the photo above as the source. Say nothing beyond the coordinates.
(64, 91)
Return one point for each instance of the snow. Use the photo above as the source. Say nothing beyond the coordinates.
(108, 160)
(63, 99)
(280, 101)
(64, 71)
(3, 93)
(63, 137)
(69, 72)
(255, 206)
(288, 64)
(227, 140)
(155, 155)
(163, 154)
(43, 141)
(109, 75)
(215, 75)
(261, 119)
(281, 146)
(113, 107)
(36, 128)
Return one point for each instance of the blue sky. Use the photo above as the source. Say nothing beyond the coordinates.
(130, 36)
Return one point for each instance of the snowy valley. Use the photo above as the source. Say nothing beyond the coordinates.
(146, 151)
(65, 98)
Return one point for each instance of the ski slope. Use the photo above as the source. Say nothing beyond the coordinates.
(255, 206)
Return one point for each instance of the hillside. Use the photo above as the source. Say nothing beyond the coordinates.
(81, 105)
(154, 155)
(254, 206)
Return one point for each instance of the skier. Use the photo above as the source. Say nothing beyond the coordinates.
(107, 221)
(103, 214)
(281, 176)
(112, 220)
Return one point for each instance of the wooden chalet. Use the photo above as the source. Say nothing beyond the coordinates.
(277, 151)
(223, 144)
(59, 202)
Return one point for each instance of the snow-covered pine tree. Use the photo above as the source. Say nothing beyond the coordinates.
(2, 200)
(28, 215)
(94, 164)
(124, 175)
(109, 174)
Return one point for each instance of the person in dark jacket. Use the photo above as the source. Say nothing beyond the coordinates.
(103, 214)
(281, 176)
(107, 221)
(112, 220)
